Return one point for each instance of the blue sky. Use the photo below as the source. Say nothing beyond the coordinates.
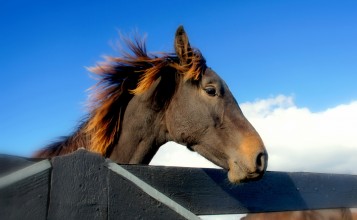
(304, 49)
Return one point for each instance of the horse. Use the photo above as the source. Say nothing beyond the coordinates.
(143, 100)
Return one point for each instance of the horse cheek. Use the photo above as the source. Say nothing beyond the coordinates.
(181, 119)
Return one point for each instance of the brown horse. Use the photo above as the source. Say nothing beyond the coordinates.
(142, 101)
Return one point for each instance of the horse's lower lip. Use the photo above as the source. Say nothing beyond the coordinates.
(254, 176)
(237, 176)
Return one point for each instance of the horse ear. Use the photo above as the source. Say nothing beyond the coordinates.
(182, 46)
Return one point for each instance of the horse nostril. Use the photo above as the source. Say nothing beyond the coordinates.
(261, 162)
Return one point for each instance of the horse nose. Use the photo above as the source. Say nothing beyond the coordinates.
(261, 162)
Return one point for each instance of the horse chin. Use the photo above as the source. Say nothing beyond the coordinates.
(236, 176)
(242, 177)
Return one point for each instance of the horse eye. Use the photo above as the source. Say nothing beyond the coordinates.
(211, 91)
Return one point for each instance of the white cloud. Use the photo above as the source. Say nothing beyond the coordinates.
(296, 138)
(300, 140)
(172, 154)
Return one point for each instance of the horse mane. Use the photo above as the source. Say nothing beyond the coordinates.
(120, 78)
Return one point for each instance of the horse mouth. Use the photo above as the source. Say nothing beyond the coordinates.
(243, 177)
(239, 173)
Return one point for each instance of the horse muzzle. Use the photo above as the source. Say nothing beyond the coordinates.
(244, 170)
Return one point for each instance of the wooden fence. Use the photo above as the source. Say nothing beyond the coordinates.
(84, 185)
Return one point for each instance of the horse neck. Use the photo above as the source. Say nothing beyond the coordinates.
(143, 131)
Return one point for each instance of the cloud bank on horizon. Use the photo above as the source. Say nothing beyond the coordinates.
(296, 138)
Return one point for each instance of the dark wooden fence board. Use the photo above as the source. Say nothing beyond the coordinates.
(126, 201)
(78, 187)
(207, 191)
(83, 188)
(9, 164)
(26, 199)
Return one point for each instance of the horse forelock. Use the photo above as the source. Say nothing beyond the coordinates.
(120, 78)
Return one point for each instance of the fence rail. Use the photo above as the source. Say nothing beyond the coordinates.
(85, 185)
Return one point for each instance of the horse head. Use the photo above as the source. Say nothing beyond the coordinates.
(204, 116)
